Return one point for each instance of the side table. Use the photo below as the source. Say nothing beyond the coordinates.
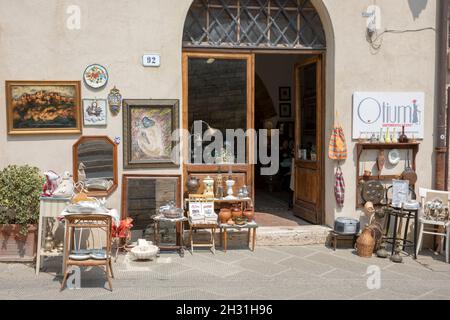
(88, 221)
(50, 208)
(179, 226)
(251, 226)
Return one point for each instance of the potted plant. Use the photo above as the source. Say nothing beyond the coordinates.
(20, 187)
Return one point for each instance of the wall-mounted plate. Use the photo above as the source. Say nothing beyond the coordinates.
(95, 76)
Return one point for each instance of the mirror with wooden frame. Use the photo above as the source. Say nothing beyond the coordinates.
(95, 164)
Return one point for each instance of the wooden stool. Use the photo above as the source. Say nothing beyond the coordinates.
(336, 236)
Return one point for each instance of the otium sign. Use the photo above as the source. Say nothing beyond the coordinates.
(373, 111)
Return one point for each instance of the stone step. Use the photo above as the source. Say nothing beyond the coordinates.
(269, 236)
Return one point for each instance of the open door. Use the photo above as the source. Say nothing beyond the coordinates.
(308, 193)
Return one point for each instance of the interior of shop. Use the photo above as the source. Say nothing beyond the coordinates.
(218, 99)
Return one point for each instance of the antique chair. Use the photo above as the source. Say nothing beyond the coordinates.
(434, 227)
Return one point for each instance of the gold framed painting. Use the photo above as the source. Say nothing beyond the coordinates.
(148, 125)
(43, 107)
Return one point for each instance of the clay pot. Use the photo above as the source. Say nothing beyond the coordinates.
(224, 215)
(236, 212)
(249, 213)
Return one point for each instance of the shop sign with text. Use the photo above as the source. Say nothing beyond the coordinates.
(376, 111)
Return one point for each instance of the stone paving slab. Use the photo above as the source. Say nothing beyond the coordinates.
(306, 272)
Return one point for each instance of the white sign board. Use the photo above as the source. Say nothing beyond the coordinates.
(373, 111)
(151, 60)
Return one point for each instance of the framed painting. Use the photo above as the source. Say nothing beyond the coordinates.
(284, 94)
(43, 107)
(94, 112)
(147, 133)
(285, 110)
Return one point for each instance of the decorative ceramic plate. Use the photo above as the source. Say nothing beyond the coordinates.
(98, 255)
(95, 76)
(79, 257)
(394, 156)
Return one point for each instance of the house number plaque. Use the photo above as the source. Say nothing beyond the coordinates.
(151, 60)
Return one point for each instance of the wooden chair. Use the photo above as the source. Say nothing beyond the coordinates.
(430, 226)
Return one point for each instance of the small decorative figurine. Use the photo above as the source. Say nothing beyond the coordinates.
(114, 100)
(51, 183)
(117, 140)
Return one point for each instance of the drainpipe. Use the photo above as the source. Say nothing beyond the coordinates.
(441, 149)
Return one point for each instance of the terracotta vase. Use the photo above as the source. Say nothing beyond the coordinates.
(249, 213)
(236, 212)
(224, 215)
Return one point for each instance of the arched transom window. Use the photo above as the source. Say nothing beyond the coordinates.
(290, 24)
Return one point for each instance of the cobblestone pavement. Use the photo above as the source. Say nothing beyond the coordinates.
(307, 272)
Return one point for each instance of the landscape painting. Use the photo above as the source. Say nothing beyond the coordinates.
(148, 132)
(43, 107)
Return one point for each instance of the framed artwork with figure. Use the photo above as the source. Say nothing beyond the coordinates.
(43, 107)
(148, 125)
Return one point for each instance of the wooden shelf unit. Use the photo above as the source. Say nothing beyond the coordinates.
(361, 146)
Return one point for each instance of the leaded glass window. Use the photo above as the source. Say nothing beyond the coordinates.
(290, 24)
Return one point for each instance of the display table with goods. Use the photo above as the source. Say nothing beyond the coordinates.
(201, 216)
(50, 243)
(179, 226)
(251, 233)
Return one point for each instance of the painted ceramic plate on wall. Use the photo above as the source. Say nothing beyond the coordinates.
(95, 76)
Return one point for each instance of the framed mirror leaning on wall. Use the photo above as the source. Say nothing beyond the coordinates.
(95, 164)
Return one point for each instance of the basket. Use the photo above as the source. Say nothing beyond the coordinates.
(365, 244)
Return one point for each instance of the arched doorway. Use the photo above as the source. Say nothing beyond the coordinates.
(226, 43)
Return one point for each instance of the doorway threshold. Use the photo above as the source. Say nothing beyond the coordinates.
(292, 235)
(271, 236)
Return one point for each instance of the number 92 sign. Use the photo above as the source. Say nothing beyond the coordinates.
(151, 60)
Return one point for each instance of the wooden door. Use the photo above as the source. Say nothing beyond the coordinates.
(309, 185)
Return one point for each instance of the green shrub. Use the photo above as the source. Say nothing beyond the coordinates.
(20, 188)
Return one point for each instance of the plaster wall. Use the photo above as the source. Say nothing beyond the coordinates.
(35, 44)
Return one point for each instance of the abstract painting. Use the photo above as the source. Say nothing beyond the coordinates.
(148, 127)
(42, 107)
